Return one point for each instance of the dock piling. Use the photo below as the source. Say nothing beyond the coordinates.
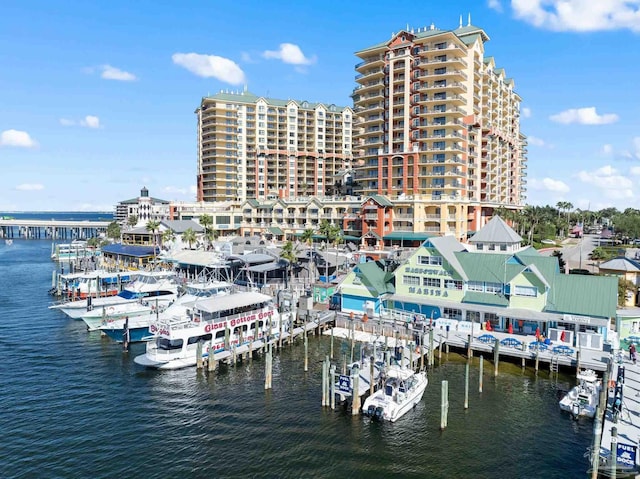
(496, 357)
(355, 396)
(306, 352)
(614, 450)
(595, 450)
(444, 404)
(199, 355)
(466, 385)
(371, 370)
(332, 329)
(431, 355)
(267, 367)
(469, 350)
(324, 383)
(481, 374)
(332, 385)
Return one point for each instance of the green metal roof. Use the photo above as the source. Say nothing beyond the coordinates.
(351, 238)
(485, 298)
(276, 231)
(406, 236)
(488, 267)
(377, 280)
(380, 199)
(584, 295)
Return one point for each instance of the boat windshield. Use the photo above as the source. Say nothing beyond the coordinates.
(169, 344)
(126, 294)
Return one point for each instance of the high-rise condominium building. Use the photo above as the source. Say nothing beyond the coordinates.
(252, 147)
(439, 129)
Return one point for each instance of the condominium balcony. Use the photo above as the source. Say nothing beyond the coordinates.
(372, 73)
(378, 60)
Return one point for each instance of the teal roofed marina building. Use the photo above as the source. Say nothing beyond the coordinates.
(491, 280)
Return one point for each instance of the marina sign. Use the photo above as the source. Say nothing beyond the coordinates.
(344, 383)
(626, 455)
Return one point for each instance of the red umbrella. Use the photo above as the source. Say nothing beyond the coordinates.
(538, 334)
(510, 328)
(488, 325)
(563, 336)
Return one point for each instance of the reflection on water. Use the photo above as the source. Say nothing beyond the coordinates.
(75, 405)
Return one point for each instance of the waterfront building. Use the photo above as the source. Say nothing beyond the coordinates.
(438, 131)
(252, 147)
(492, 281)
(144, 207)
(626, 269)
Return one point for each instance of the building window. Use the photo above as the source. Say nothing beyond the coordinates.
(530, 291)
(431, 282)
(453, 284)
(430, 260)
(411, 280)
(475, 286)
(493, 287)
(479, 246)
(452, 313)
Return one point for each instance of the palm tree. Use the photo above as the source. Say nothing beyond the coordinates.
(211, 236)
(113, 230)
(132, 221)
(168, 236)
(189, 237)
(153, 226)
(307, 238)
(206, 221)
(288, 253)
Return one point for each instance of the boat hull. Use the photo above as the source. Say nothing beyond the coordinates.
(383, 407)
(136, 335)
(95, 322)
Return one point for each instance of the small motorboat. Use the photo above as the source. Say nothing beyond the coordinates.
(583, 399)
(403, 389)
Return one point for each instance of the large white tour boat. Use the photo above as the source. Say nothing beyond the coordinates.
(403, 389)
(137, 327)
(220, 324)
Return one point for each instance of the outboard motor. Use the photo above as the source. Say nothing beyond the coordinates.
(370, 411)
(378, 413)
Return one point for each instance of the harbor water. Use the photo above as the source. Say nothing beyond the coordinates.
(74, 405)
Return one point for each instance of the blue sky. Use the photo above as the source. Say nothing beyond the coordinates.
(97, 98)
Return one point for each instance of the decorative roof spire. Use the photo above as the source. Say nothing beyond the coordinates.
(460, 26)
(469, 23)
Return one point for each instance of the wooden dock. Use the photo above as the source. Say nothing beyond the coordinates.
(51, 229)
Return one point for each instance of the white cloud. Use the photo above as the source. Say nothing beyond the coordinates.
(584, 116)
(579, 15)
(611, 183)
(90, 121)
(607, 150)
(495, 5)
(176, 190)
(113, 73)
(246, 57)
(535, 141)
(30, 187)
(208, 66)
(289, 53)
(634, 170)
(549, 184)
(526, 112)
(17, 138)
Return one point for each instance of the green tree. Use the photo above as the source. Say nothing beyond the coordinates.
(206, 221)
(189, 237)
(132, 221)
(625, 287)
(113, 230)
(288, 253)
(153, 226)
(168, 236)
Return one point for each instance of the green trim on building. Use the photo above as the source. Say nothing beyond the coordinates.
(407, 236)
(276, 231)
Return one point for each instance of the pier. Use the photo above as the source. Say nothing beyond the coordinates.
(51, 229)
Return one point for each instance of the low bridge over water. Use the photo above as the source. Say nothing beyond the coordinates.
(51, 229)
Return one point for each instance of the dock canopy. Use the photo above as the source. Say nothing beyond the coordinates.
(136, 251)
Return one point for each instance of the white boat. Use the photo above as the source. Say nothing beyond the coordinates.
(222, 325)
(160, 286)
(403, 389)
(138, 326)
(98, 317)
(583, 399)
(66, 252)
